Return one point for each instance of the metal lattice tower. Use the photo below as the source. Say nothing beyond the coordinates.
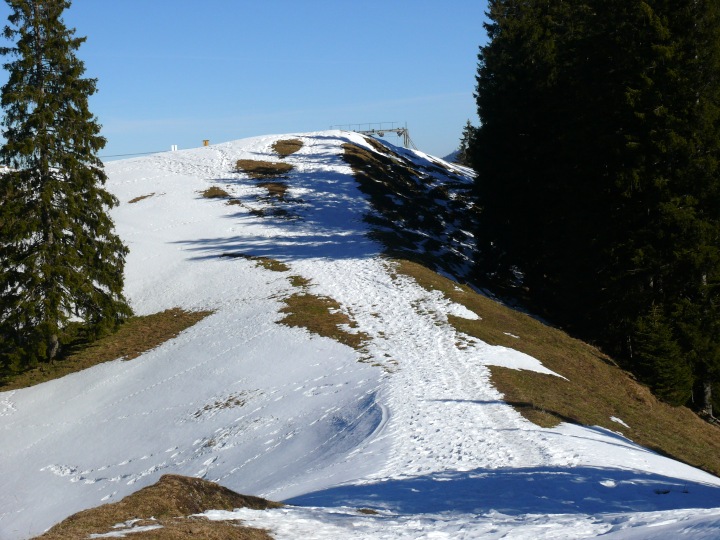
(380, 129)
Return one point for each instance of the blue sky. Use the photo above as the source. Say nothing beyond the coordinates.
(180, 71)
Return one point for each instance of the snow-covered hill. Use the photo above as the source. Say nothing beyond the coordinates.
(409, 425)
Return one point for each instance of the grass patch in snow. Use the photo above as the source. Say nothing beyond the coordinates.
(140, 198)
(286, 147)
(321, 315)
(595, 390)
(170, 504)
(368, 511)
(276, 190)
(299, 282)
(266, 262)
(262, 169)
(215, 192)
(134, 337)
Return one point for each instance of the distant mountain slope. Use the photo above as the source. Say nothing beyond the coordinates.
(401, 417)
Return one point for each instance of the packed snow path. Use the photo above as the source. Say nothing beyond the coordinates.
(443, 412)
(410, 426)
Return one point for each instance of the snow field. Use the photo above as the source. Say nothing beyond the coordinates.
(415, 431)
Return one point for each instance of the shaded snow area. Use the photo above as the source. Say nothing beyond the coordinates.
(409, 428)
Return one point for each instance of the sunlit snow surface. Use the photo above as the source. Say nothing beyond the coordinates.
(416, 432)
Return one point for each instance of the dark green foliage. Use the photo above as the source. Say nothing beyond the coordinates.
(463, 157)
(60, 260)
(659, 359)
(597, 160)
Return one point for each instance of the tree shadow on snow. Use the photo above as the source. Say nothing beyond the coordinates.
(322, 217)
(539, 490)
(286, 247)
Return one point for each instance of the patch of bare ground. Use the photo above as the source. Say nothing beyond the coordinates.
(286, 147)
(321, 315)
(595, 389)
(140, 198)
(262, 169)
(276, 190)
(368, 511)
(170, 505)
(215, 192)
(134, 337)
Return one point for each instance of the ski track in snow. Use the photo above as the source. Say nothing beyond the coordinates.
(415, 430)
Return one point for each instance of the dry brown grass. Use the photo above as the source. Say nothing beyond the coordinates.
(299, 282)
(377, 145)
(133, 338)
(368, 511)
(170, 502)
(286, 147)
(595, 388)
(277, 190)
(266, 262)
(215, 192)
(322, 316)
(262, 169)
(140, 198)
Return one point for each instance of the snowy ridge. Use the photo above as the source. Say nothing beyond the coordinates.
(416, 432)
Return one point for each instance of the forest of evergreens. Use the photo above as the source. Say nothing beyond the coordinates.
(597, 160)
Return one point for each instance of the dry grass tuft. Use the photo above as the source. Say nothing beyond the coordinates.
(595, 389)
(262, 169)
(299, 282)
(215, 192)
(170, 502)
(140, 198)
(133, 338)
(276, 190)
(266, 262)
(286, 147)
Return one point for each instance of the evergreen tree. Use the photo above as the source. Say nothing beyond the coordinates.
(598, 161)
(60, 260)
(659, 359)
(468, 132)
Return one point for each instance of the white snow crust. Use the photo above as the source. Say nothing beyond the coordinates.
(415, 432)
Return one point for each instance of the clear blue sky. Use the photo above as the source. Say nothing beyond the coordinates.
(180, 71)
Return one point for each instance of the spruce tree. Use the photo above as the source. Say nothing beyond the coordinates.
(659, 359)
(60, 260)
(468, 133)
(598, 161)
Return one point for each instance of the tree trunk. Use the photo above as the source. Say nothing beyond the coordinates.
(707, 398)
(53, 349)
